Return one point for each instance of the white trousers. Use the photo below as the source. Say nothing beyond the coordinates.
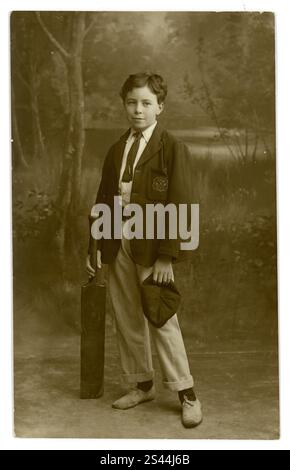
(133, 329)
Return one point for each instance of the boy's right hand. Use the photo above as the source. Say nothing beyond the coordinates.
(90, 270)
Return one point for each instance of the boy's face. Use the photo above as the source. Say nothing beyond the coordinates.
(142, 107)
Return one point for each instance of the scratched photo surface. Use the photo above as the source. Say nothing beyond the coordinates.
(67, 69)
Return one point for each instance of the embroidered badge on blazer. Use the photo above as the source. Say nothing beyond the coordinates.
(160, 183)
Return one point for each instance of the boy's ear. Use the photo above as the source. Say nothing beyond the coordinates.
(161, 107)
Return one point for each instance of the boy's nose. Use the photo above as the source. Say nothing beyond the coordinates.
(138, 109)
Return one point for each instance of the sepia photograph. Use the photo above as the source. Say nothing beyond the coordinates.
(144, 225)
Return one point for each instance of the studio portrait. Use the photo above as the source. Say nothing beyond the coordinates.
(143, 162)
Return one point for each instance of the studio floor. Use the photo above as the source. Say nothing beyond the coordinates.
(238, 391)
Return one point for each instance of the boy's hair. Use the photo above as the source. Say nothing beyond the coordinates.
(154, 82)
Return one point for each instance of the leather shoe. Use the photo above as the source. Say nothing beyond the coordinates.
(191, 413)
(133, 398)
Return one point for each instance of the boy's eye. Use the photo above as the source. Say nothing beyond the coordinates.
(145, 103)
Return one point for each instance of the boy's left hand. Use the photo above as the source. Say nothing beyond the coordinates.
(162, 270)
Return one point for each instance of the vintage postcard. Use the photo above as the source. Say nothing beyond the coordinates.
(144, 225)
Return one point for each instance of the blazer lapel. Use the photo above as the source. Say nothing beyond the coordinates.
(119, 151)
(152, 147)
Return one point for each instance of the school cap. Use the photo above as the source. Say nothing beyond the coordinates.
(160, 302)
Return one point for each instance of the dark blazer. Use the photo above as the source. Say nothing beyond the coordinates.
(162, 175)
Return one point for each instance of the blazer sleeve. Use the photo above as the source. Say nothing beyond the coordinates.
(180, 191)
(100, 198)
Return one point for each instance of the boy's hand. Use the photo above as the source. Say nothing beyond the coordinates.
(90, 270)
(162, 270)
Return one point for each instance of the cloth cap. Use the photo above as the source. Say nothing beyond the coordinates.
(160, 302)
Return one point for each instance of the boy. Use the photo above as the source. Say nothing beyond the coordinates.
(147, 165)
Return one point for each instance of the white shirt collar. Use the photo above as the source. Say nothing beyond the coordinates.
(147, 133)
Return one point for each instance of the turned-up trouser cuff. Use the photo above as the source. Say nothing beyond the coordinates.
(133, 329)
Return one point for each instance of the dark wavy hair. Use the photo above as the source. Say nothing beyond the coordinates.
(154, 82)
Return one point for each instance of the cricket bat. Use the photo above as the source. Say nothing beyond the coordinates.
(93, 310)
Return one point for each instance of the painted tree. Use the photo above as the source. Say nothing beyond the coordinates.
(18, 152)
(235, 85)
(28, 69)
(74, 136)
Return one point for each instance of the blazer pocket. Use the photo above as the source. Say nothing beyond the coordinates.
(158, 185)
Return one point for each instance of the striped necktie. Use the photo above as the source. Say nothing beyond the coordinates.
(128, 173)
